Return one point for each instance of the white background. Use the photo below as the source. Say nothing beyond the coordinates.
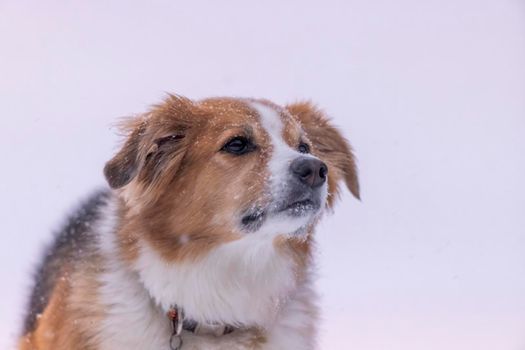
(430, 93)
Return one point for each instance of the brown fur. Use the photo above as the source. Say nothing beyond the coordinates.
(67, 322)
(171, 178)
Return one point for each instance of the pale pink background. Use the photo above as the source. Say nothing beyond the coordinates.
(431, 94)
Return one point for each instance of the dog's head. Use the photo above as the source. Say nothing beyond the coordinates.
(195, 175)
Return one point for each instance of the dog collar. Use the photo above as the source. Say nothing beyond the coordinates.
(179, 322)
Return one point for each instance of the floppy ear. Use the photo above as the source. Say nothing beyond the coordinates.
(124, 166)
(331, 147)
(154, 144)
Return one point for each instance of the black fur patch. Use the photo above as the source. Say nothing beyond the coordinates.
(69, 245)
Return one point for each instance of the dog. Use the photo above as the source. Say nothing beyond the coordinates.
(204, 239)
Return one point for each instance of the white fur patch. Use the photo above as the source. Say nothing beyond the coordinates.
(282, 154)
(243, 282)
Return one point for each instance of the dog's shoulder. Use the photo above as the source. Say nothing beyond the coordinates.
(73, 241)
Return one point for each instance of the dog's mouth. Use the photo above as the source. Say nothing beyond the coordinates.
(254, 219)
(300, 208)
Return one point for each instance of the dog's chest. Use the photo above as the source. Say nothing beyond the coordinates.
(133, 321)
(237, 284)
(219, 290)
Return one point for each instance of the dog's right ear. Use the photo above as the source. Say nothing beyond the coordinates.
(155, 144)
(124, 166)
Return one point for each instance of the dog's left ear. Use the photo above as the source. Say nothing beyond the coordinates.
(331, 147)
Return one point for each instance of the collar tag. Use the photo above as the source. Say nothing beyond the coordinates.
(176, 316)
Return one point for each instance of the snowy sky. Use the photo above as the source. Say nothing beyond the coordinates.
(431, 94)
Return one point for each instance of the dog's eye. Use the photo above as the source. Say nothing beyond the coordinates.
(303, 148)
(238, 145)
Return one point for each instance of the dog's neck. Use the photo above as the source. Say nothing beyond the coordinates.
(241, 283)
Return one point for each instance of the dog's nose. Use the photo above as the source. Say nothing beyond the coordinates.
(310, 171)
